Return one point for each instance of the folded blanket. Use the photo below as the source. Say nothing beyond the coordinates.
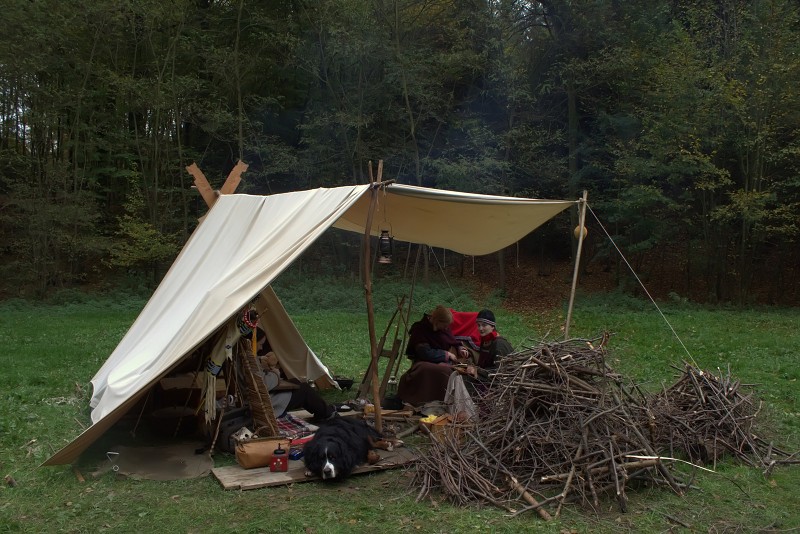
(293, 427)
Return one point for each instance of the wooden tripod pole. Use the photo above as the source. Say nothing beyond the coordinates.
(581, 229)
(373, 342)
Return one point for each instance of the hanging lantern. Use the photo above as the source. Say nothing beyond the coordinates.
(578, 230)
(385, 247)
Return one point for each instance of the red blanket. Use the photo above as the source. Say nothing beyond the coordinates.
(465, 328)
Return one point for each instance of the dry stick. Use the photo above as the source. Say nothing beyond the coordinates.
(593, 372)
(514, 484)
(139, 417)
(426, 430)
(637, 475)
(650, 451)
(222, 411)
(745, 441)
(570, 379)
(534, 504)
(553, 389)
(699, 390)
(446, 475)
(622, 497)
(565, 491)
(456, 471)
(424, 487)
(589, 478)
(598, 414)
(775, 449)
(386, 417)
(731, 390)
(216, 431)
(487, 488)
(408, 431)
(770, 467)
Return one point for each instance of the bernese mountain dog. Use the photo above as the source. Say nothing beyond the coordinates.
(342, 444)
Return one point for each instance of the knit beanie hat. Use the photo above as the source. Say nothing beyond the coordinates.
(486, 316)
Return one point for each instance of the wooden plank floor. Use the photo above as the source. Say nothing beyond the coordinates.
(233, 477)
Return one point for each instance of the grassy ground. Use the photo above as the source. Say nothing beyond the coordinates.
(49, 353)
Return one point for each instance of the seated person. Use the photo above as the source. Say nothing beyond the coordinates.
(492, 346)
(433, 348)
(287, 395)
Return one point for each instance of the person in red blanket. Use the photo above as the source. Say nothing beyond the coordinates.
(433, 348)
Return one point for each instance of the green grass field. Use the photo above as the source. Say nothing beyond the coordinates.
(50, 352)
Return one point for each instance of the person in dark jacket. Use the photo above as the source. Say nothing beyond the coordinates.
(430, 339)
(493, 346)
(433, 348)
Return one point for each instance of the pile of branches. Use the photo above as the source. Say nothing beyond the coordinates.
(705, 416)
(556, 424)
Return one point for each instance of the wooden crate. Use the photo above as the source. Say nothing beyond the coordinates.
(445, 428)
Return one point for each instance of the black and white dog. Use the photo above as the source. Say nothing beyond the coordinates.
(342, 444)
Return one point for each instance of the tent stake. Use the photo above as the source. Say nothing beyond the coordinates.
(581, 221)
(373, 343)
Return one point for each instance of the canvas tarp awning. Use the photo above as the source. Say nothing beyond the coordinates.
(246, 241)
(462, 222)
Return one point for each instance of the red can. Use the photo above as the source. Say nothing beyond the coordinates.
(280, 460)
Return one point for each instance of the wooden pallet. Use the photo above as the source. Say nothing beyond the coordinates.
(233, 477)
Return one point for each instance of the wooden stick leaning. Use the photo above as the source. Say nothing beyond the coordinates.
(258, 395)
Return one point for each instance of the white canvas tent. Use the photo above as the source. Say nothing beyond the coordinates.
(246, 241)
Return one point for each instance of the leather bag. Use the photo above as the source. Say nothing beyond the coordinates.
(257, 452)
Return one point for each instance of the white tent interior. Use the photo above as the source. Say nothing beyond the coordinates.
(246, 241)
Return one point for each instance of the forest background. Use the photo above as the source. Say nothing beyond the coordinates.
(680, 118)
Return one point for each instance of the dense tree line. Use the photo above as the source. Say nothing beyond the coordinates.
(680, 117)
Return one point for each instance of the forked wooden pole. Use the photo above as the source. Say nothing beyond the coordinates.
(202, 184)
(209, 194)
(233, 179)
(373, 342)
(581, 221)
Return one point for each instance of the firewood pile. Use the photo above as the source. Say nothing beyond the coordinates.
(558, 425)
(704, 417)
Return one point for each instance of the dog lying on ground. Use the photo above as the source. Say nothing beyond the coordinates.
(342, 444)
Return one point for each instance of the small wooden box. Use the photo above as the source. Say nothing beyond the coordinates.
(445, 428)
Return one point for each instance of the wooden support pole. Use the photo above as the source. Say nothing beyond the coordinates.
(201, 182)
(233, 179)
(581, 221)
(373, 342)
